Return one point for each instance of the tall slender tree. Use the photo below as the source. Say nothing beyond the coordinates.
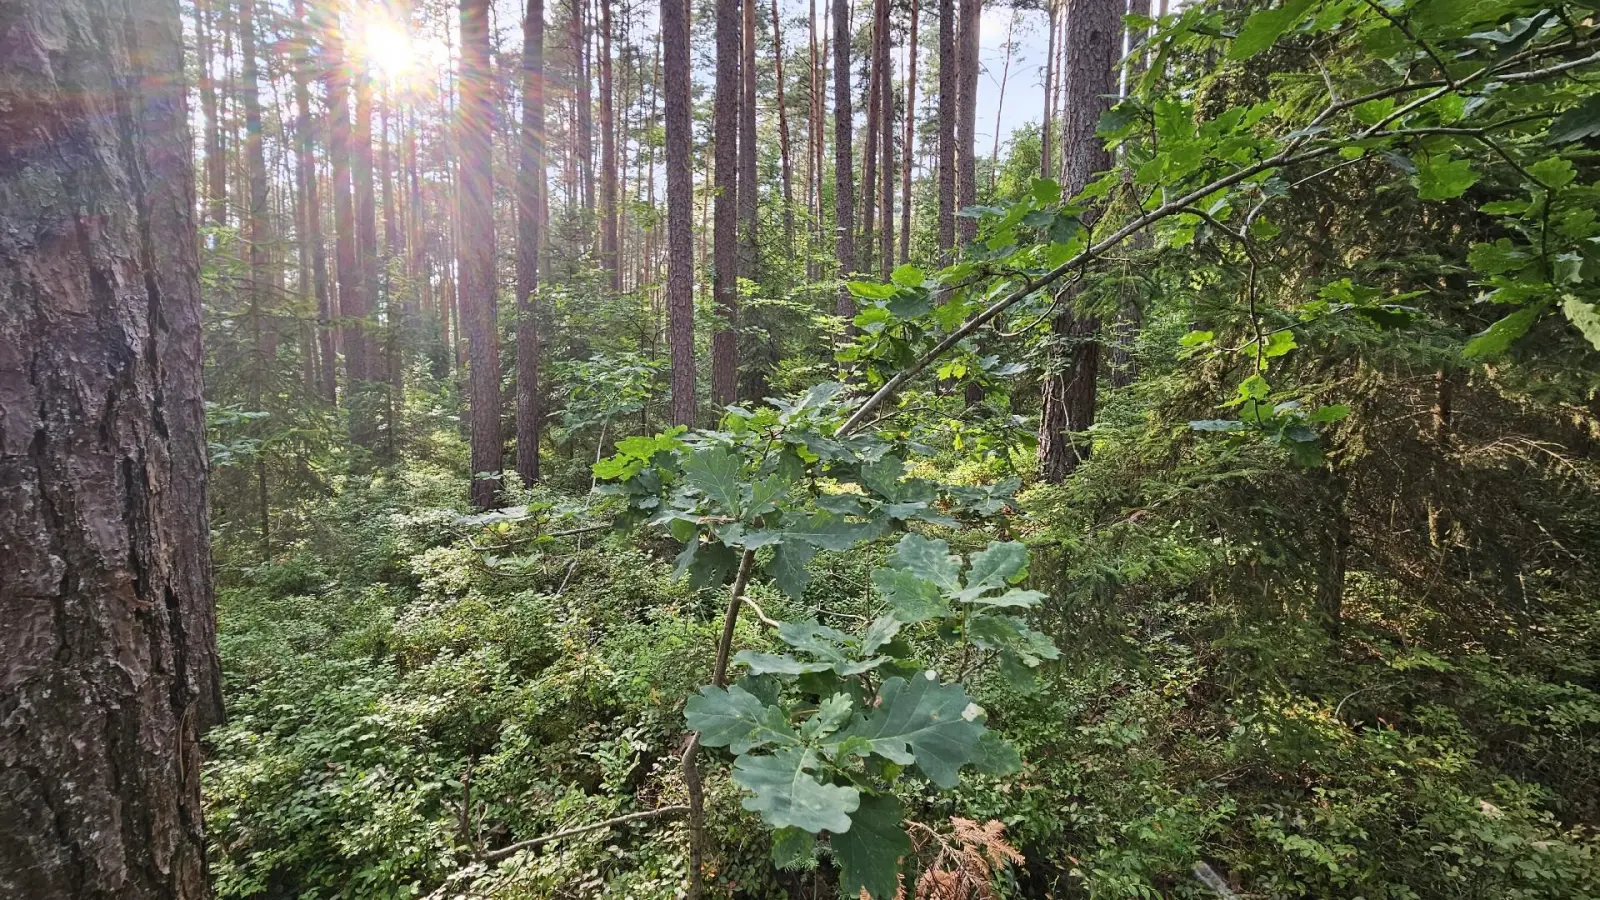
(786, 171)
(749, 184)
(583, 103)
(109, 646)
(306, 177)
(475, 254)
(949, 101)
(1093, 45)
(884, 69)
(530, 240)
(366, 383)
(909, 139)
(968, 65)
(725, 223)
(348, 272)
(1047, 122)
(1130, 316)
(609, 239)
(680, 207)
(844, 188)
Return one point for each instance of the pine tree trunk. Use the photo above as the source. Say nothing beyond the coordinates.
(363, 422)
(787, 171)
(1048, 123)
(885, 72)
(680, 207)
(609, 246)
(530, 237)
(583, 101)
(910, 140)
(108, 650)
(306, 163)
(346, 271)
(869, 155)
(1093, 42)
(475, 254)
(749, 187)
(725, 224)
(216, 163)
(844, 187)
(1130, 317)
(948, 104)
(967, 116)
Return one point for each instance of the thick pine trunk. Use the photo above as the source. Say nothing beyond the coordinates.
(1093, 45)
(725, 224)
(680, 207)
(475, 253)
(844, 186)
(530, 237)
(948, 103)
(108, 648)
(967, 116)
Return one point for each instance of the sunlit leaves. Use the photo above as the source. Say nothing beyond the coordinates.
(736, 719)
(923, 722)
(1265, 27)
(1497, 338)
(1440, 177)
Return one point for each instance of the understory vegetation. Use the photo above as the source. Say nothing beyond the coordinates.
(1303, 607)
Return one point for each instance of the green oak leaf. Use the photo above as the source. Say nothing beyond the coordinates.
(1586, 316)
(1016, 598)
(1443, 178)
(788, 795)
(827, 531)
(1578, 123)
(1265, 27)
(996, 632)
(831, 715)
(788, 567)
(924, 722)
(911, 598)
(794, 848)
(869, 852)
(777, 664)
(880, 632)
(737, 719)
(714, 472)
(1497, 338)
(996, 756)
(993, 567)
(930, 560)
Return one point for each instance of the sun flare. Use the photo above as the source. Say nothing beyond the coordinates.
(389, 49)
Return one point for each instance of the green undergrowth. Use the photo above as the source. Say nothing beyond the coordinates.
(402, 698)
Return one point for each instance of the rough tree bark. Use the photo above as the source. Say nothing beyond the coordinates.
(844, 186)
(967, 116)
(680, 206)
(108, 653)
(1093, 42)
(724, 221)
(948, 102)
(749, 186)
(884, 70)
(583, 102)
(475, 253)
(530, 237)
